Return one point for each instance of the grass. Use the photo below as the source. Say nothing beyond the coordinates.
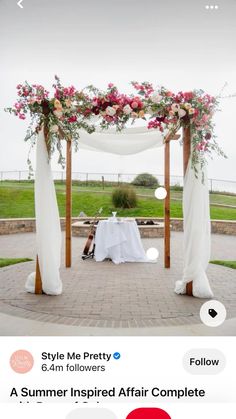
(6, 262)
(17, 201)
(228, 263)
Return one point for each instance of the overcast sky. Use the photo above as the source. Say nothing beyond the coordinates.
(179, 44)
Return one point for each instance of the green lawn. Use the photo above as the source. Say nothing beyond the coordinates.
(7, 262)
(17, 201)
(227, 263)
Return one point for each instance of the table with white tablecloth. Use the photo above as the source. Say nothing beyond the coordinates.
(119, 241)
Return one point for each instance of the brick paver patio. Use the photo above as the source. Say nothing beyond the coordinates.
(107, 295)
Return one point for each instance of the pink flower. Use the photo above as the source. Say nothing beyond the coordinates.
(188, 96)
(72, 118)
(21, 115)
(108, 118)
(134, 105)
(110, 85)
(69, 91)
(155, 124)
(86, 112)
(205, 118)
(18, 106)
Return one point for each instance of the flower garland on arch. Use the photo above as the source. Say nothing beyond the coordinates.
(68, 110)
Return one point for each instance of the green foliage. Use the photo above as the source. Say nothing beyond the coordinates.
(6, 262)
(22, 194)
(176, 187)
(145, 179)
(124, 197)
(227, 263)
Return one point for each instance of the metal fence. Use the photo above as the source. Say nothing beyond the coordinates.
(216, 185)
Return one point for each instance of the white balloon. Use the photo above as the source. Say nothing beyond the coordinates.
(152, 253)
(160, 193)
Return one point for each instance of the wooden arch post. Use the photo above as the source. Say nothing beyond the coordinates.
(68, 201)
(186, 157)
(167, 205)
(168, 138)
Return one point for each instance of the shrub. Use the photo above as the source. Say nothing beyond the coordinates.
(176, 187)
(124, 197)
(145, 179)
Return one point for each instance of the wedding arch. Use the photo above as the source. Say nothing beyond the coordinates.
(98, 120)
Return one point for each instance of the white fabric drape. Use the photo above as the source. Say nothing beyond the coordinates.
(48, 229)
(129, 141)
(197, 235)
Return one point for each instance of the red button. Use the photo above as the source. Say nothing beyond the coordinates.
(148, 413)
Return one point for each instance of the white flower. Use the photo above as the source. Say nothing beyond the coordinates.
(150, 111)
(187, 105)
(54, 128)
(58, 114)
(110, 111)
(127, 109)
(156, 98)
(175, 107)
(181, 113)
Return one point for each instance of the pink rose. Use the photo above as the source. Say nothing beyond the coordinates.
(134, 105)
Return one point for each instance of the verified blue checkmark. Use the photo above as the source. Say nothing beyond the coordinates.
(116, 355)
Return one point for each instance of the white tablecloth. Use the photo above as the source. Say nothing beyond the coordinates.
(119, 241)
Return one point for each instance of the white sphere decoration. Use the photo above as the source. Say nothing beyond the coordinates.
(152, 253)
(160, 193)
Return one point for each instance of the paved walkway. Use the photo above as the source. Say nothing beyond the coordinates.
(101, 297)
